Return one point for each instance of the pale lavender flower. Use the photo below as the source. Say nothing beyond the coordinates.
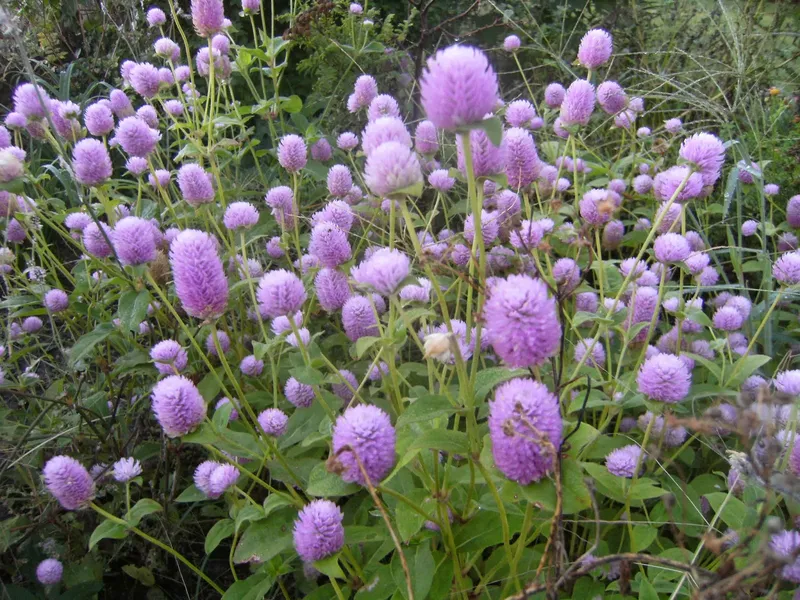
(207, 17)
(273, 421)
(330, 245)
(91, 162)
(240, 215)
(358, 318)
(198, 274)
(318, 530)
(383, 271)
(673, 126)
(611, 97)
(522, 160)
(487, 159)
(392, 167)
(554, 95)
(321, 150)
(95, 242)
(156, 17)
(578, 103)
(595, 48)
(332, 289)
(426, 140)
(177, 405)
(49, 571)
(363, 437)
(195, 184)
(126, 469)
(664, 378)
(134, 241)
(511, 43)
(622, 461)
(383, 106)
(136, 137)
(347, 141)
(169, 357)
(69, 482)
(292, 153)
(337, 212)
(280, 293)
(99, 119)
(786, 269)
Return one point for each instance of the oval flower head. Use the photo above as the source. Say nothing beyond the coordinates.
(595, 48)
(383, 271)
(280, 293)
(664, 377)
(392, 167)
(178, 406)
(69, 482)
(318, 530)
(199, 277)
(458, 87)
(525, 428)
(363, 443)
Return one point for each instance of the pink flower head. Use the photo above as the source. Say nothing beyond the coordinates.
(578, 103)
(299, 394)
(347, 141)
(671, 248)
(178, 406)
(595, 48)
(329, 244)
(156, 17)
(511, 43)
(622, 461)
(383, 106)
(168, 357)
(520, 113)
(56, 301)
(365, 90)
(273, 421)
(240, 215)
(786, 269)
(382, 130)
(207, 17)
(786, 545)
(440, 180)
(251, 7)
(597, 206)
(665, 378)
(95, 242)
(200, 280)
(166, 48)
(144, 80)
(383, 271)
(358, 318)
(363, 437)
(707, 153)
(522, 160)
(32, 101)
(490, 227)
(49, 571)
(195, 184)
(673, 126)
(667, 182)
(99, 119)
(392, 167)
(280, 293)
(642, 184)
(426, 140)
(136, 137)
(91, 162)
(337, 212)
(332, 289)
(458, 87)
(611, 97)
(292, 153)
(69, 482)
(554, 95)
(318, 530)
(134, 241)
(120, 104)
(487, 159)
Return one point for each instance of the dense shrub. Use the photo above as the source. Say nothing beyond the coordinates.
(492, 353)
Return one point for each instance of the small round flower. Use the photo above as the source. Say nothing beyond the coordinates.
(383, 106)
(160, 178)
(91, 162)
(199, 277)
(578, 103)
(136, 165)
(274, 249)
(145, 80)
(292, 153)
(664, 377)
(120, 104)
(356, 8)
(520, 113)
(382, 130)
(554, 95)
(597, 356)
(208, 17)
(786, 545)
(511, 43)
(56, 301)
(94, 241)
(458, 87)
(611, 97)
(174, 107)
(567, 274)
(169, 357)
(69, 482)
(240, 215)
(156, 17)
(195, 184)
(336, 212)
(525, 428)
(622, 461)
(358, 318)
(341, 389)
(329, 244)
(417, 293)
(771, 189)
(666, 184)
(749, 228)
(787, 241)
(332, 289)
(595, 48)
(364, 434)
(99, 119)
(220, 479)
(786, 269)
(671, 248)
(134, 241)
(707, 153)
(126, 469)
(596, 206)
(643, 132)
(251, 366)
(522, 160)
(49, 571)
(321, 150)
(383, 270)
(299, 394)
(224, 343)
(673, 126)
(521, 321)
(728, 319)
(339, 181)
(280, 293)
(613, 232)
(490, 227)
(32, 324)
(426, 140)
(347, 141)
(318, 530)
(251, 7)
(793, 211)
(31, 100)
(392, 167)
(178, 406)
(234, 414)
(136, 137)
(788, 382)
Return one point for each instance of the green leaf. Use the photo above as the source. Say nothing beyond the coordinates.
(84, 346)
(132, 309)
(379, 585)
(107, 529)
(730, 509)
(647, 591)
(365, 343)
(487, 379)
(455, 442)
(642, 537)
(308, 375)
(330, 566)
(575, 494)
(254, 587)
(265, 539)
(222, 415)
(323, 484)
(141, 509)
(141, 574)
(202, 435)
(409, 521)
(248, 513)
(730, 189)
(274, 502)
(222, 529)
(191, 494)
(373, 46)
(292, 104)
(426, 409)
(484, 530)
(746, 366)
(81, 591)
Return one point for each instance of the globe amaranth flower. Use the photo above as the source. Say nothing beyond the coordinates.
(208, 17)
(224, 343)
(336, 212)
(234, 414)
(91, 162)
(299, 394)
(31, 100)
(490, 227)
(622, 461)
(613, 232)
(382, 130)
(511, 43)
(32, 324)
(671, 248)
(178, 406)
(195, 184)
(280, 293)
(458, 87)
(611, 97)
(417, 293)
(136, 165)
(785, 545)
(329, 244)
(318, 530)
(664, 377)
(567, 274)
(525, 428)
(673, 126)
(392, 167)
(643, 132)
(197, 271)
(156, 17)
(365, 91)
(578, 103)
(521, 321)
(749, 228)
(240, 215)
(786, 269)
(69, 482)
(625, 119)
(341, 389)
(554, 95)
(520, 113)
(666, 184)
(99, 119)
(347, 141)
(251, 366)
(707, 153)
(728, 319)
(273, 421)
(596, 206)
(595, 48)
(144, 79)
(126, 469)
(426, 140)
(169, 357)
(786, 241)
(292, 153)
(220, 478)
(49, 571)
(487, 159)
(383, 106)
(332, 289)
(136, 137)
(788, 382)
(793, 211)
(321, 150)
(358, 318)
(598, 353)
(364, 434)
(95, 242)
(167, 49)
(339, 181)
(56, 301)
(274, 249)
(383, 271)
(134, 241)
(522, 160)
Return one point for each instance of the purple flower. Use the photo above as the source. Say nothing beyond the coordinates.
(356, 8)
(643, 305)
(637, 105)
(673, 126)
(524, 420)
(214, 478)
(625, 119)
(200, 280)
(195, 184)
(136, 165)
(240, 215)
(27, 101)
(347, 141)
(280, 293)
(643, 132)
(69, 482)
(341, 389)
(178, 406)
(787, 269)
(391, 168)
(554, 95)
(664, 377)
(207, 17)
(95, 242)
(642, 184)
(595, 48)
(299, 394)
(358, 318)
(597, 356)
(520, 113)
(120, 104)
(786, 545)
(382, 106)
(708, 276)
(321, 150)
(156, 17)
(251, 7)
(169, 357)
(597, 206)
(99, 119)
(566, 274)
(667, 183)
(611, 97)
(586, 302)
(329, 244)
(728, 319)
(793, 211)
(706, 152)
(273, 421)
(292, 153)
(521, 321)
(234, 414)
(426, 140)
(160, 178)
(522, 161)
(134, 241)
(613, 232)
(771, 189)
(417, 293)
(383, 271)
(224, 343)
(671, 248)
(336, 212)
(174, 107)
(622, 461)
(788, 382)
(56, 301)
(746, 171)
(274, 249)
(32, 324)
(458, 87)
(332, 289)
(787, 241)
(487, 159)
(382, 130)
(364, 434)
(145, 80)
(126, 469)
(364, 91)
(578, 103)
(91, 162)
(16, 121)
(339, 181)
(511, 43)
(318, 530)
(136, 137)
(49, 571)
(490, 227)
